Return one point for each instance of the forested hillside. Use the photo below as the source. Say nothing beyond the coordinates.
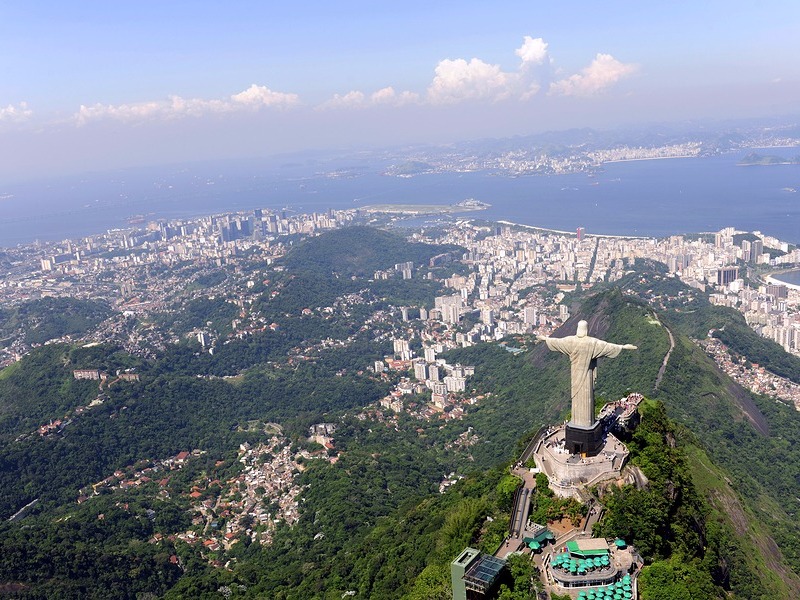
(359, 252)
(752, 437)
(37, 321)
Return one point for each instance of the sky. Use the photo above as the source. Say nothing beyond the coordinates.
(90, 86)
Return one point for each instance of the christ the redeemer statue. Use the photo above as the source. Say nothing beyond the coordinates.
(583, 431)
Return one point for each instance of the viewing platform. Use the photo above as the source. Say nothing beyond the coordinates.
(568, 472)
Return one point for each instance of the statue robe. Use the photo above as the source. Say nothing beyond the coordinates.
(583, 353)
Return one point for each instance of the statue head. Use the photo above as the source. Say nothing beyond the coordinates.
(583, 329)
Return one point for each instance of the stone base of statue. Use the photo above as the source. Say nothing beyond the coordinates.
(584, 440)
(569, 473)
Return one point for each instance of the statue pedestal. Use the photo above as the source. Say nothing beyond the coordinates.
(583, 440)
(569, 473)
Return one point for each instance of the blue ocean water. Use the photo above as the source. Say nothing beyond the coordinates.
(791, 277)
(651, 197)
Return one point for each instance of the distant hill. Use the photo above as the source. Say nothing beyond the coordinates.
(753, 158)
(358, 251)
(50, 318)
(411, 167)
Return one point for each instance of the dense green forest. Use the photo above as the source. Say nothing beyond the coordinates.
(693, 553)
(157, 417)
(41, 387)
(99, 550)
(323, 269)
(359, 252)
(198, 313)
(49, 318)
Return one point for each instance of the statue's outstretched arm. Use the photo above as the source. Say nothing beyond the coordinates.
(630, 347)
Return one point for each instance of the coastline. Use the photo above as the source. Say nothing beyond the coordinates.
(623, 160)
(597, 235)
(773, 278)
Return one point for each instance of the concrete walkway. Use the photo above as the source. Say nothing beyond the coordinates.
(519, 516)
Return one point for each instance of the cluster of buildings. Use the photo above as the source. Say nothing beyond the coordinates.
(446, 384)
(535, 161)
(726, 265)
(771, 309)
(264, 494)
(98, 375)
(735, 273)
(126, 268)
(143, 472)
(265, 491)
(167, 242)
(752, 376)
(252, 504)
(138, 269)
(620, 153)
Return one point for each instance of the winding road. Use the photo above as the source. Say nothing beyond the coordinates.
(666, 358)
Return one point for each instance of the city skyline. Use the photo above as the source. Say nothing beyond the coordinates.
(88, 88)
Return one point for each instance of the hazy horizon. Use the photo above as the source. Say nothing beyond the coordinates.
(93, 90)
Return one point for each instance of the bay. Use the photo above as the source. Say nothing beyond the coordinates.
(790, 277)
(646, 198)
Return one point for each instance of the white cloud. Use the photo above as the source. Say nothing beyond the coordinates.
(352, 99)
(604, 71)
(253, 98)
(532, 90)
(383, 97)
(532, 51)
(455, 80)
(122, 112)
(259, 95)
(458, 80)
(20, 112)
(387, 95)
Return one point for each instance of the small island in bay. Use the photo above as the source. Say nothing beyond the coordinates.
(410, 168)
(468, 205)
(753, 158)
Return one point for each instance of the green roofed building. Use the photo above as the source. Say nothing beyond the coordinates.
(538, 533)
(475, 575)
(587, 563)
(588, 548)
